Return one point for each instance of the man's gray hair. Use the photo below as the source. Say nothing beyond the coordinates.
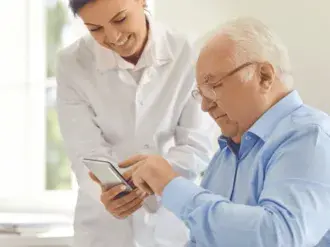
(254, 41)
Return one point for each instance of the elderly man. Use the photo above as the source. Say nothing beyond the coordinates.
(269, 183)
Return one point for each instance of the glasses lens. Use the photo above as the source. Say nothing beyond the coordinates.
(208, 93)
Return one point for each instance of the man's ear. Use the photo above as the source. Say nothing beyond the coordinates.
(267, 76)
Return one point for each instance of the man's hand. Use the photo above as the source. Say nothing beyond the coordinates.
(150, 173)
(120, 207)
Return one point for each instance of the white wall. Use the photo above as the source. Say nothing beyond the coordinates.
(303, 25)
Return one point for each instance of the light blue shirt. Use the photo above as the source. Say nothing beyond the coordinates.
(275, 191)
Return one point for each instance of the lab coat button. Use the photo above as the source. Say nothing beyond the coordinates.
(146, 146)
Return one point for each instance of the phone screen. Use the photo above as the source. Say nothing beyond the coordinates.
(106, 172)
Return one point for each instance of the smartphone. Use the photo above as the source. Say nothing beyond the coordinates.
(108, 175)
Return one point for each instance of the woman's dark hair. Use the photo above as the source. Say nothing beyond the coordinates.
(76, 5)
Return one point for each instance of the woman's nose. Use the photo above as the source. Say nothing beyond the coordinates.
(112, 35)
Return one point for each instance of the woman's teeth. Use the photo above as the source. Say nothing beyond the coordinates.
(122, 42)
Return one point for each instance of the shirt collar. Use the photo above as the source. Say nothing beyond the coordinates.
(225, 141)
(267, 122)
(222, 141)
(156, 52)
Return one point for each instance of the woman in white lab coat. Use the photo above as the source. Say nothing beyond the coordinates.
(125, 89)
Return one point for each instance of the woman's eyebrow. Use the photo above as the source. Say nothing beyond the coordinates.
(120, 12)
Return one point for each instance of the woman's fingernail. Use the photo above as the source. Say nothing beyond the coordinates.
(123, 187)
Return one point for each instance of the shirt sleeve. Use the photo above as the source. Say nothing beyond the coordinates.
(82, 137)
(292, 210)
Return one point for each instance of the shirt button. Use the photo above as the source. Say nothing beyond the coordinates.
(248, 138)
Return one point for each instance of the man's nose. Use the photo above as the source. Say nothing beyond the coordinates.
(207, 104)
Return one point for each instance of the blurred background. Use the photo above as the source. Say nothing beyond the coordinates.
(35, 178)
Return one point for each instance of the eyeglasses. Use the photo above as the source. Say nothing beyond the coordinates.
(207, 91)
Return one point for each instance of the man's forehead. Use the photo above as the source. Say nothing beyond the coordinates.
(205, 68)
(210, 70)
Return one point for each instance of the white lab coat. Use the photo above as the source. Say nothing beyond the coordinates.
(104, 112)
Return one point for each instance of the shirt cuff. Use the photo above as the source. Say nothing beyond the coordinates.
(178, 194)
